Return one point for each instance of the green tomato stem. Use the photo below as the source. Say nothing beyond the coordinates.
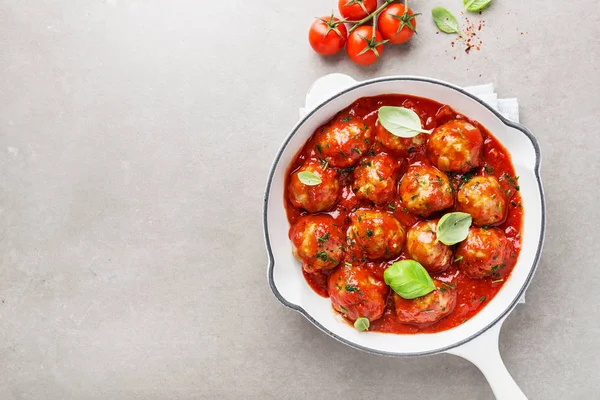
(374, 14)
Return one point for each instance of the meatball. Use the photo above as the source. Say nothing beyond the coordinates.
(375, 178)
(375, 235)
(455, 146)
(425, 190)
(421, 247)
(482, 253)
(482, 197)
(314, 198)
(399, 145)
(342, 142)
(356, 293)
(426, 310)
(317, 242)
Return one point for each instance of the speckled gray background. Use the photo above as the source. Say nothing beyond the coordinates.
(135, 140)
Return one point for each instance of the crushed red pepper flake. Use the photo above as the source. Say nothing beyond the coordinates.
(470, 29)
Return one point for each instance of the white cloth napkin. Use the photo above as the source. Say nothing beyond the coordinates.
(509, 108)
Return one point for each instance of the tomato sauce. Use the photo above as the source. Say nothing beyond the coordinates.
(472, 294)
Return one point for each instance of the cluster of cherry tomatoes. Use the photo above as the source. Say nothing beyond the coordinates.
(389, 23)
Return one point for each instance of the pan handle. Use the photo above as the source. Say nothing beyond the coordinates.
(325, 87)
(483, 352)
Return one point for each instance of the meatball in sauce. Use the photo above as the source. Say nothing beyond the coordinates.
(422, 246)
(375, 178)
(425, 190)
(318, 197)
(455, 146)
(317, 242)
(375, 234)
(399, 145)
(426, 310)
(343, 142)
(482, 253)
(356, 293)
(483, 198)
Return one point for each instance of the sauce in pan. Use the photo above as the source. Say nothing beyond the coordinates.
(362, 168)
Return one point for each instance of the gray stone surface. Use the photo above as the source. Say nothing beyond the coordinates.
(135, 140)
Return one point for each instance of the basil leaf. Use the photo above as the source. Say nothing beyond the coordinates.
(308, 178)
(408, 279)
(362, 324)
(400, 121)
(476, 5)
(445, 21)
(453, 228)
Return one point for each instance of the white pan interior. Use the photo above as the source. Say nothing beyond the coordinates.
(287, 280)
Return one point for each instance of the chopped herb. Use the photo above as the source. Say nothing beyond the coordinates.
(443, 290)
(366, 140)
(411, 150)
(348, 264)
(369, 233)
(319, 148)
(457, 259)
(371, 153)
(322, 255)
(428, 310)
(488, 169)
(520, 206)
(512, 180)
(449, 286)
(482, 299)
(464, 320)
(346, 170)
(350, 288)
(342, 154)
(347, 119)
(357, 150)
(413, 197)
(498, 280)
(323, 238)
(499, 206)
(485, 227)
(343, 310)
(324, 163)
(405, 210)
(512, 203)
(495, 267)
(443, 309)
(392, 207)
(365, 127)
(461, 133)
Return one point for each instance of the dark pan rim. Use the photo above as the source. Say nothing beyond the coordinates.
(533, 267)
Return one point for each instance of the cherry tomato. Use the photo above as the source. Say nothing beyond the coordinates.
(327, 35)
(355, 10)
(363, 47)
(397, 23)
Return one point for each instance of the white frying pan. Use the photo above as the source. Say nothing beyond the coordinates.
(477, 339)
